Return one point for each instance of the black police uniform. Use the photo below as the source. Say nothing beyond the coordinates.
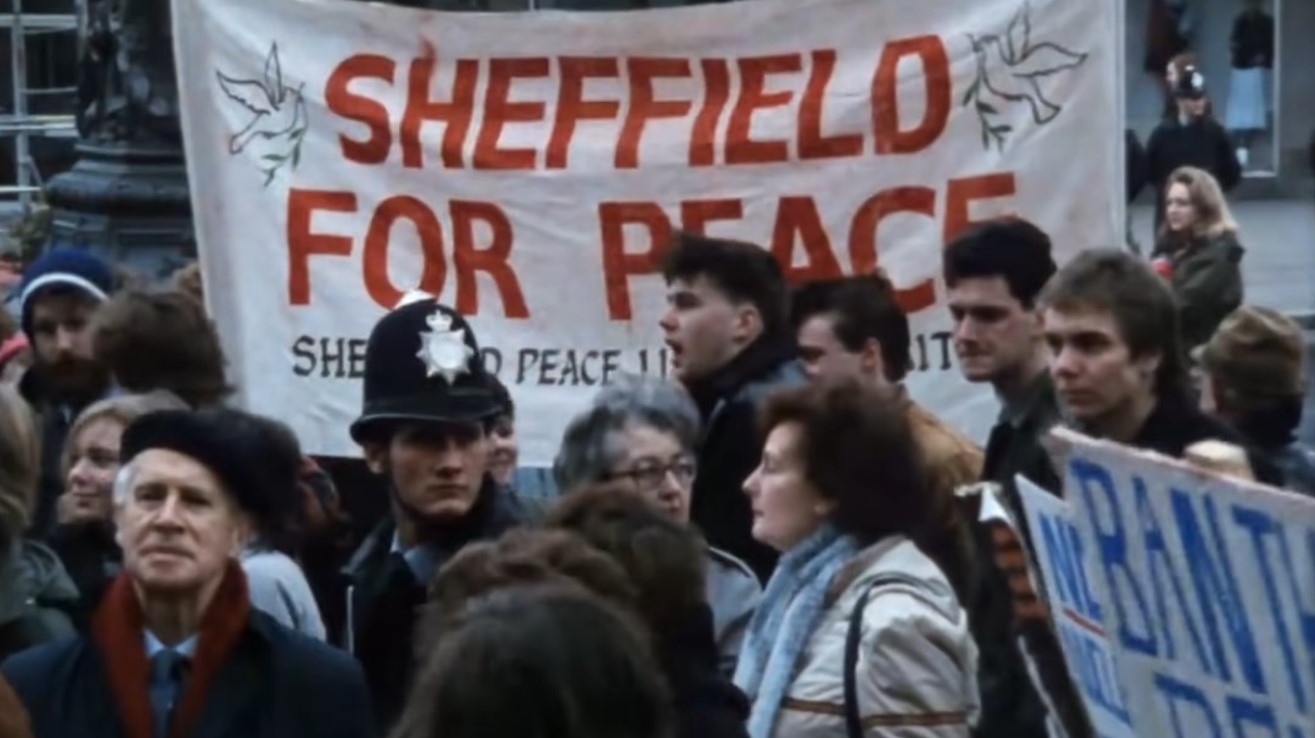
(422, 365)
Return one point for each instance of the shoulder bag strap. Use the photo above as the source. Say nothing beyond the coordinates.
(853, 636)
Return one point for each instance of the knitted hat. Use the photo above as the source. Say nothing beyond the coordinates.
(1257, 352)
(256, 468)
(68, 267)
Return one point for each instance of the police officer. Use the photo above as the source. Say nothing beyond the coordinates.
(424, 429)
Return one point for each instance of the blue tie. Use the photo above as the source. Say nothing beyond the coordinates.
(167, 668)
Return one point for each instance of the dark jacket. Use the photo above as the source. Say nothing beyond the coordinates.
(277, 684)
(1177, 423)
(36, 598)
(1252, 42)
(707, 704)
(1272, 438)
(383, 594)
(1201, 143)
(1207, 283)
(1014, 446)
(1005, 609)
(92, 559)
(729, 401)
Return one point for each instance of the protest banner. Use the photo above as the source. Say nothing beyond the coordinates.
(529, 169)
(1206, 586)
(1062, 564)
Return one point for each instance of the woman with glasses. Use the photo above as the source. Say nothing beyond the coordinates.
(639, 436)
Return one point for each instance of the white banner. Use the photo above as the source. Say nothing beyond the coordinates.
(1206, 586)
(528, 168)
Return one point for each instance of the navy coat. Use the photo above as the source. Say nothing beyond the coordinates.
(276, 684)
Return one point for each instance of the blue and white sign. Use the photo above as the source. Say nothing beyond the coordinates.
(1063, 562)
(1207, 587)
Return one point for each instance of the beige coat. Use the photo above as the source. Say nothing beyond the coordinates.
(917, 664)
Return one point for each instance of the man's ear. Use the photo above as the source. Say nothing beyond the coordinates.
(1149, 364)
(870, 358)
(376, 457)
(748, 323)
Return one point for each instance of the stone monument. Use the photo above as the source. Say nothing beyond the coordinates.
(126, 197)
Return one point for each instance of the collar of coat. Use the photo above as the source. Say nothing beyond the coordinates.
(117, 632)
(757, 359)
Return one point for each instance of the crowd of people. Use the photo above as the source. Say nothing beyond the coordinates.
(778, 541)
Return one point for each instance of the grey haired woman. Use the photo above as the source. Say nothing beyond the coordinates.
(639, 435)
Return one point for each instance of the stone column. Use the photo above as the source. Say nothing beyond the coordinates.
(126, 197)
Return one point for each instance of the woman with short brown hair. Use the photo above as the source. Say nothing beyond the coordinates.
(162, 340)
(841, 493)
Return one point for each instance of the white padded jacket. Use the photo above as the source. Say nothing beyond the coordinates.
(917, 663)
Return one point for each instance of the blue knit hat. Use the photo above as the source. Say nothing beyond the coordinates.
(65, 266)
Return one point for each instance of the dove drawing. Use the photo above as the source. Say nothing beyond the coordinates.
(276, 110)
(1015, 69)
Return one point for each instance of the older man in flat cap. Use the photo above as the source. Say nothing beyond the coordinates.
(424, 428)
(175, 649)
(1254, 376)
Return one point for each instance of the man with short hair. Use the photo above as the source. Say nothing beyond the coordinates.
(1254, 377)
(176, 648)
(423, 428)
(60, 293)
(853, 327)
(995, 273)
(726, 327)
(1117, 360)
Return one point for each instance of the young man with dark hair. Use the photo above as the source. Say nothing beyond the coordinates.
(853, 327)
(726, 328)
(61, 292)
(995, 273)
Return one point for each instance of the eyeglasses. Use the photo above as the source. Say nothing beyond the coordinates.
(651, 475)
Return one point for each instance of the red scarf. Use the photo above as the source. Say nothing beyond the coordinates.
(118, 629)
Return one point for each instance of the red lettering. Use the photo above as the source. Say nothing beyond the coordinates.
(643, 107)
(375, 267)
(863, 237)
(492, 259)
(797, 219)
(740, 149)
(703, 138)
(421, 109)
(885, 95)
(302, 243)
(962, 192)
(573, 108)
(813, 144)
(618, 263)
(344, 103)
(499, 110)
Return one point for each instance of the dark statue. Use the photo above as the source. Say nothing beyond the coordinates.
(127, 90)
(126, 197)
